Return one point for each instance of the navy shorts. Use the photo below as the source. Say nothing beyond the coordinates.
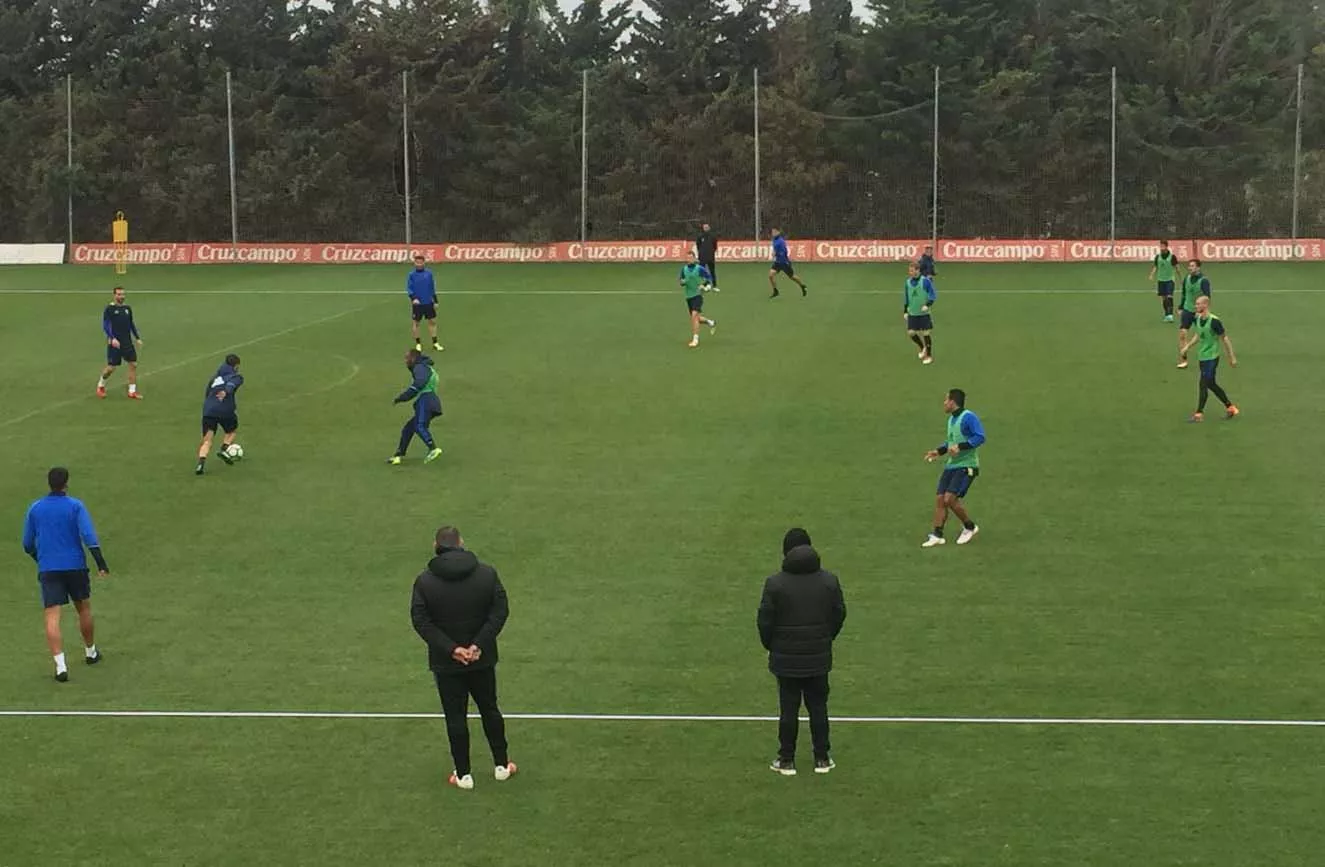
(1164, 288)
(58, 588)
(126, 352)
(1209, 368)
(424, 311)
(957, 480)
(784, 268)
(923, 322)
(696, 304)
(210, 423)
(1187, 320)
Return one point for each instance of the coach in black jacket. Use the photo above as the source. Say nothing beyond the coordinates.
(706, 251)
(458, 609)
(800, 614)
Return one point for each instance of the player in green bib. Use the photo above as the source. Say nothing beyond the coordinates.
(918, 296)
(961, 442)
(427, 406)
(1208, 336)
(695, 278)
(1163, 273)
(1194, 286)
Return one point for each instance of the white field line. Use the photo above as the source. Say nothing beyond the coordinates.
(676, 718)
(1143, 290)
(215, 353)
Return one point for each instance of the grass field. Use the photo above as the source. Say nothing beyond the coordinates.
(633, 494)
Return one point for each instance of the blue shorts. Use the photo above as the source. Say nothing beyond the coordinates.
(58, 588)
(923, 322)
(1164, 288)
(1209, 368)
(229, 424)
(1187, 320)
(784, 268)
(957, 480)
(126, 352)
(695, 304)
(424, 311)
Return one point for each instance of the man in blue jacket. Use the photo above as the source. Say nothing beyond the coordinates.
(219, 411)
(54, 532)
(427, 406)
(422, 291)
(782, 265)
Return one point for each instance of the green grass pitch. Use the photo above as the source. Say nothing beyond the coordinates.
(633, 494)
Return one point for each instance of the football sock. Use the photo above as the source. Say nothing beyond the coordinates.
(60, 666)
(202, 461)
(101, 382)
(91, 651)
(929, 345)
(938, 531)
(915, 338)
(970, 525)
(133, 387)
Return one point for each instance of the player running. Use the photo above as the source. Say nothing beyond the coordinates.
(422, 290)
(1163, 273)
(695, 278)
(122, 341)
(918, 296)
(1194, 286)
(1209, 333)
(427, 406)
(782, 265)
(964, 436)
(706, 250)
(219, 411)
(927, 264)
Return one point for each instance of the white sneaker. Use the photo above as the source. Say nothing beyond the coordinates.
(504, 772)
(466, 782)
(967, 535)
(694, 341)
(921, 355)
(929, 359)
(932, 541)
(716, 289)
(713, 326)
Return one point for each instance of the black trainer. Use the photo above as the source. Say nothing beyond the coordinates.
(823, 766)
(805, 290)
(775, 294)
(785, 767)
(225, 457)
(93, 660)
(197, 471)
(62, 676)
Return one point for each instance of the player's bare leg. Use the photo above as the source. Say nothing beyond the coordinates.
(935, 537)
(432, 329)
(86, 625)
(133, 380)
(204, 449)
(1182, 341)
(805, 290)
(918, 341)
(414, 331)
(53, 640)
(969, 529)
(101, 383)
(773, 283)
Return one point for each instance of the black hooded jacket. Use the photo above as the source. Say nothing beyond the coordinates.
(458, 601)
(801, 612)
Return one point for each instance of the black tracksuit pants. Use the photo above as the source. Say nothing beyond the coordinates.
(814, 691)
(455, 690)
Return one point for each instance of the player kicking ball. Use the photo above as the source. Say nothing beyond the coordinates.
(964, 436)
(219, 411)
(122, 343)
(427, 406)
(695, 279)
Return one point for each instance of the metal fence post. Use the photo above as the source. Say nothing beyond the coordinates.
(230, 137)
(934, 179)
(404, 145)
(69, 156)
(1297, 155)
(584, 155)
(1113, 158)
(758, 210)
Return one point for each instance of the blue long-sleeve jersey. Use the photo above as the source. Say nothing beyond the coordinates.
(926, 264)
(117, 322)
(780, 254)
(226, 382)
(973, 432)
(54, 533)
(421, 287)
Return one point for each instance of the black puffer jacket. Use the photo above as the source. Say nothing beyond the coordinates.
(458, 601)
(800, 614)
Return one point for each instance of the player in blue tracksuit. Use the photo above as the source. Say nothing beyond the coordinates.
(422, 291)
(927, 264)
(54, 532)
(219, 411)
(782, 265)
(427, 406)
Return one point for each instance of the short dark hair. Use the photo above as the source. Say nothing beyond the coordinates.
(232, 360)
(795, 538)
(58, 478)
(957, 396)
(1196, 261)
(448, 537)
(117, 289)
(1163, 242)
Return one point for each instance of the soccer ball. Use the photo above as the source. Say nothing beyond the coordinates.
(234, 451)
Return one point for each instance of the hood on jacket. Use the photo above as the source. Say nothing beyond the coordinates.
(425, 359)
(456, 564)
(801, 560)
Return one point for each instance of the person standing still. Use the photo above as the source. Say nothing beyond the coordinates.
(800, 615)
(458, 609)
(706, 250)
(54, 532)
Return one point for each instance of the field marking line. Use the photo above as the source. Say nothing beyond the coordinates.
(9, 422)
(552, 292)
(702, 718)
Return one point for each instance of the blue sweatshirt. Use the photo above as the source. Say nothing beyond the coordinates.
(927, 266)
(54, 533)
(226, 380)
(421, 287)
(780, 254)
